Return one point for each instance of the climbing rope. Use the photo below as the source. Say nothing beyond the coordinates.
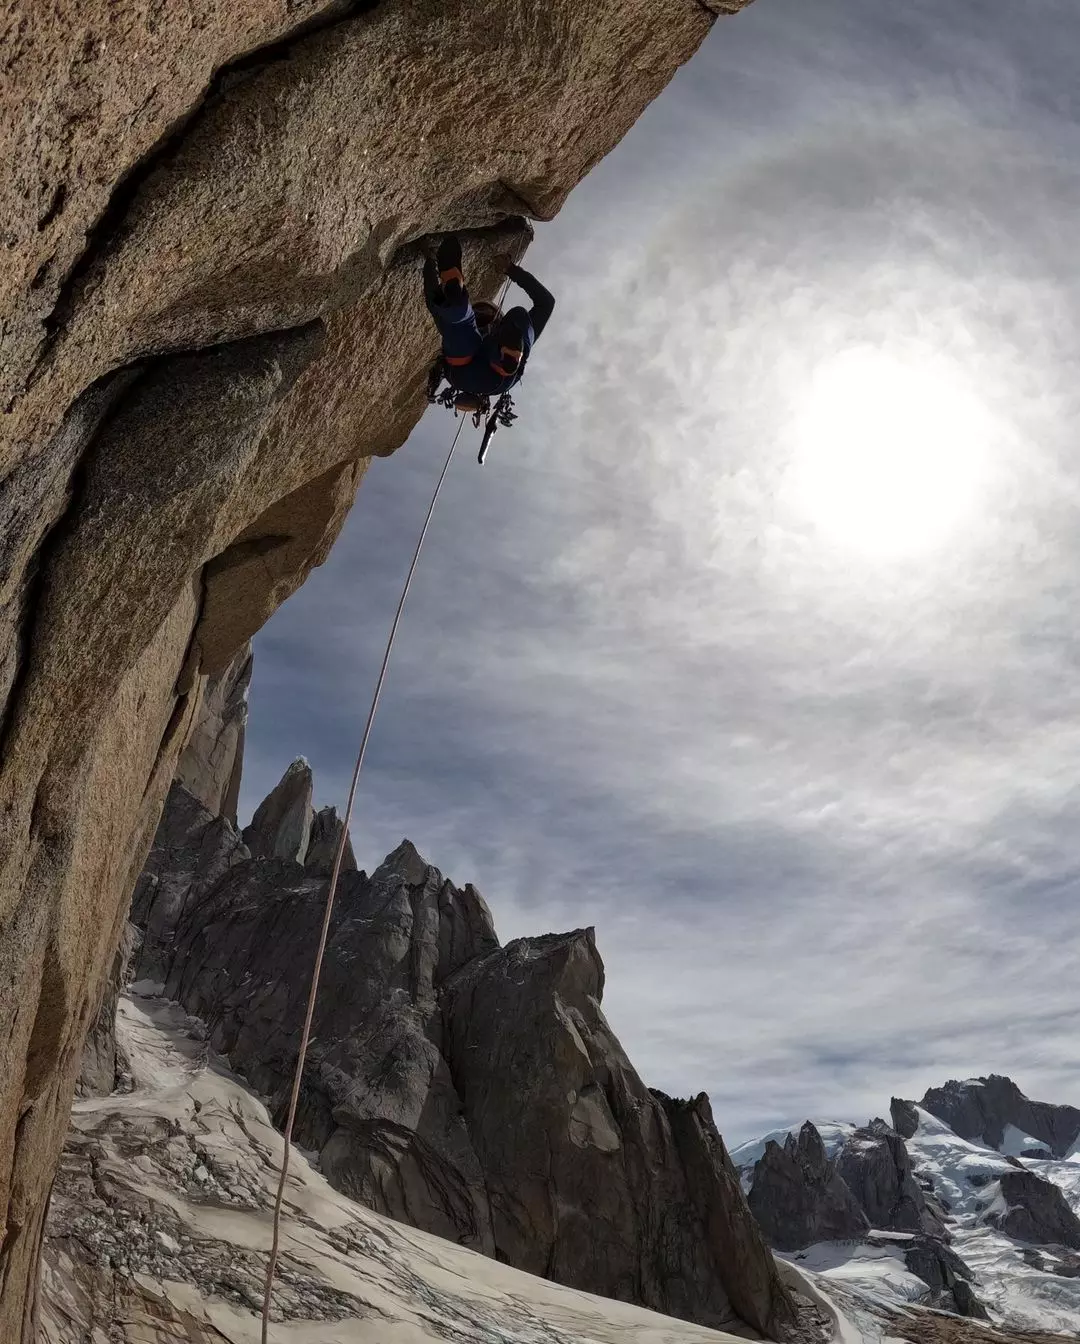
(332, 892)
(339, 853)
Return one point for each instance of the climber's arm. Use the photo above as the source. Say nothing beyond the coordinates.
(543, 301)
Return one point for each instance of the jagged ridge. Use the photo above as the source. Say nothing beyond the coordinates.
(470, 1089)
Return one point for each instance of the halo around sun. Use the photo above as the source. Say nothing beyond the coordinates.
(889, 456)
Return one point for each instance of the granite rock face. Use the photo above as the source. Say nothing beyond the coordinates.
(192, 850)
(211, 762)
(905, 1117)
(473, 1090)
(104, 1064)
(209, 300)
(592, 1179)
(325, 833)
(799, 1197)
(946, 1275)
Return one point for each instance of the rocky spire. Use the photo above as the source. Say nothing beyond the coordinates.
(325, 832)
(876, 1168)
(905, 1117)
(799, 1198)
(281, 826)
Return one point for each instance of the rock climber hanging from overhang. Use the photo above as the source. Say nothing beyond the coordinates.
(484, 352)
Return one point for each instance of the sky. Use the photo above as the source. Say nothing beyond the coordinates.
(754, 644)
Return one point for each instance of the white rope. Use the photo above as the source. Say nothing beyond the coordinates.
(332, 892)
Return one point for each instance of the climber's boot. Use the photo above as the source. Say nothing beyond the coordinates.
(451, 277)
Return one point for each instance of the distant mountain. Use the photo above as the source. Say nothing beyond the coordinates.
(993, 1111)
(968, 1201)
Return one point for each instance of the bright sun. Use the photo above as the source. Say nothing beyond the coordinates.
(889, 456)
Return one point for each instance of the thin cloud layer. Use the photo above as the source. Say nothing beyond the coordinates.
(818, 803)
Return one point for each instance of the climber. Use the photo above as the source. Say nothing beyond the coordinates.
(483, 352)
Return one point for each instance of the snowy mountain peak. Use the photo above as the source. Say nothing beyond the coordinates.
(993, 1111)
(834, 1133)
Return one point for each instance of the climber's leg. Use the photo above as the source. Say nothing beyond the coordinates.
(448, 302)
(461, 339)
(448, 259)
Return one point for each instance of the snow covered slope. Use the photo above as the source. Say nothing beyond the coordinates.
(1016, 1143)
(160, 1225)
(963, 1173)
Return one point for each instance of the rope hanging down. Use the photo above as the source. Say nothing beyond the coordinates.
(339, 853)
(332, 892)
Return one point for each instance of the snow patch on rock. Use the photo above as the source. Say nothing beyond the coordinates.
(1015, 1143)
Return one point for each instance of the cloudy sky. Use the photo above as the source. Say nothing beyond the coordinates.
(754, 645)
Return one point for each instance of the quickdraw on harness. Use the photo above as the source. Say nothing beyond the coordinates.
(476, 404)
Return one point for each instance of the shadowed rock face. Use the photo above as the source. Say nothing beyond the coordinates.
(980, 1109)
(905, 1117)
(191, 851)
(472, 1090)
(1036, 1211)
(211, 762)
(799, 1198)
(875, 1166)
(103, 1062)
(208, 292)
(325, 834)
(592, 1179)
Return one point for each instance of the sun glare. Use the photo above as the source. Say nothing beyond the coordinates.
(889, 456)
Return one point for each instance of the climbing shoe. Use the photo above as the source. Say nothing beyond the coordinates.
(448, 258)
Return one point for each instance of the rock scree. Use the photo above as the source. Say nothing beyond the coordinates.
(209, 301)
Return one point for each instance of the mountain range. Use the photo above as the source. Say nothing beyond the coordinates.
(967, 1201)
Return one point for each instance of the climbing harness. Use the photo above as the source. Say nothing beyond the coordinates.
(474, 404)
(339, 853)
